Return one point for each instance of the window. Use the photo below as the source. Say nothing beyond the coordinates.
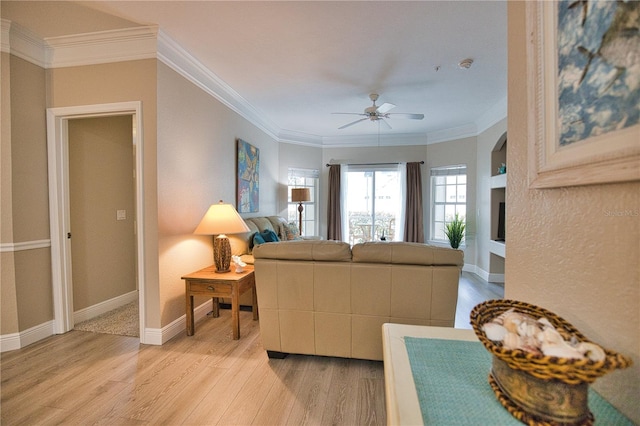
(448, 197)
(373, 204)
(304, 178)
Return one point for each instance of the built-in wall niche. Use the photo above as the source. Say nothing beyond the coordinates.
(498, 190)
(498, 236)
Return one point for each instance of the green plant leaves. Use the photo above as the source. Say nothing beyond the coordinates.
(454, 231)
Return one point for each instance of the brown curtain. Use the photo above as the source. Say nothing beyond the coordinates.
(334, 218)
(413, 226)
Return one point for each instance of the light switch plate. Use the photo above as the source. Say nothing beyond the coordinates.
(121, 214)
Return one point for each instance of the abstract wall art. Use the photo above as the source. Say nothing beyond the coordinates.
(248, 178)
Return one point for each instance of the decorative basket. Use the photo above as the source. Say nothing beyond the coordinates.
(538, 389)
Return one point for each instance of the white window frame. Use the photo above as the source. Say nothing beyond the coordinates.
(447, 171)
(400, 169)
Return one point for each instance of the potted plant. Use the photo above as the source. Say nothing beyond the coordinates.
(454, 231)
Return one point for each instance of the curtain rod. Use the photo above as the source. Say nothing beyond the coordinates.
(368, 164)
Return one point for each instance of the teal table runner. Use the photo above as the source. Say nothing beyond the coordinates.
(451, 378)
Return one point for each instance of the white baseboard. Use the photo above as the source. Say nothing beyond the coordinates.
(103, 307)
(488, 277)
(9, 342)
(13, 341)
(469, 267)
(159, 336)
(153, 336)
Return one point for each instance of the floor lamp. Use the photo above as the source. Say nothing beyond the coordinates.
(300, 195)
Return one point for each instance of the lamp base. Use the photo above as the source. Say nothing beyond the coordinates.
(300, 210)
(222, 253)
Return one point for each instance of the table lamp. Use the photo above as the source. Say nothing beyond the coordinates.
(300, 195)
(219, 220)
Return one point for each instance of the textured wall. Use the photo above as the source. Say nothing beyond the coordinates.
(575, 250)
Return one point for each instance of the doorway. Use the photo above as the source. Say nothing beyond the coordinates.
(60, 205)
(102, 216)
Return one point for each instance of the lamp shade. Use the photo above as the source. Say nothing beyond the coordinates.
(299, 195)
(221, 218)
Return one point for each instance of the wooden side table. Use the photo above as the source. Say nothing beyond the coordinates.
(206, 282)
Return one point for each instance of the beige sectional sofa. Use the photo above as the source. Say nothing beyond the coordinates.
(324, 298)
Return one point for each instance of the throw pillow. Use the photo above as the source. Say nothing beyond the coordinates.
(269, 236)
(266, 236)
(292, 232)
(257, 239)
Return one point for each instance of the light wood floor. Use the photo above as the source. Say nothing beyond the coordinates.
(206, 379)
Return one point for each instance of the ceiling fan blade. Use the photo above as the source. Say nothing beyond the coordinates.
(410, 116)
(349, 113)
(385, 107)
(386, 124)
(352, 123)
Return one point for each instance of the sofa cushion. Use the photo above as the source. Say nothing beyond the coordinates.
(319, 250)
(406, 253)
(262, 223)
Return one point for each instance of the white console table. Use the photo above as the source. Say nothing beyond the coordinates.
(403, 407)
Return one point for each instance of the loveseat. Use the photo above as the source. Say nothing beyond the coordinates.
(326, 298)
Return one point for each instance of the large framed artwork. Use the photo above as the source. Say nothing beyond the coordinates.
(248, 180)
(584, 92)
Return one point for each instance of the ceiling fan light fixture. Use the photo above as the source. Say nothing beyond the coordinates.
(378, 113)
(465, 63)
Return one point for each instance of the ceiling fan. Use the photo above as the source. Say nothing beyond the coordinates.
(378, 113)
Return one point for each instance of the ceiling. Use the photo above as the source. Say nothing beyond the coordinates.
(297, 62)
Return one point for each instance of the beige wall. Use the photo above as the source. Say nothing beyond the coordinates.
(122, 82)
(301, 157)
(26, 276)
(100, 183)
(8, 301)
(568, 251)
(197, 167)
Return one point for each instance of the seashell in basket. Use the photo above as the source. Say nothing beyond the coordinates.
(516, 330)
(536, 353)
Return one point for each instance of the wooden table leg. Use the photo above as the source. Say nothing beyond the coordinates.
(254, 302)
(235, 312)
(216, 307)
(190, 322)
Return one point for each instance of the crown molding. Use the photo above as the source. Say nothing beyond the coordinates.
(492, 116)
(400, 139)
(300, 138)
(127, 44)
(185, 64)
(147, 42)
(23, 43)
(461, 132)
(5, 28)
